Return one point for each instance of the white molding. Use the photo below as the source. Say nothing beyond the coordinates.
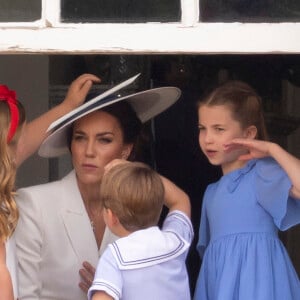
(189, 12)
(202, 38)
(51, 12)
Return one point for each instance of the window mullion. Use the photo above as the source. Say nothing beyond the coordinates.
(51, 12)
(189, 12)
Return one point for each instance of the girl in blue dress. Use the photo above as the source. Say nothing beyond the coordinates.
(258, 194)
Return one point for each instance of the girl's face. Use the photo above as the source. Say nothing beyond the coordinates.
(97, 139)
(216, 128)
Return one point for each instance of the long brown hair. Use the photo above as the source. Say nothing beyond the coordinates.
(8, 208)
(244, 102)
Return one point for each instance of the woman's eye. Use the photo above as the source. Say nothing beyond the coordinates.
(78, 137)
(105, 140)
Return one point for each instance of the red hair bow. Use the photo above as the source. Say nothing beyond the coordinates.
(10, 97)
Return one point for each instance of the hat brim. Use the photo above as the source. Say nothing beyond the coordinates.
(147, 104)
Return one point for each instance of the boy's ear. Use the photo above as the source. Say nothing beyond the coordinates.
(251, 132)
(112, 219)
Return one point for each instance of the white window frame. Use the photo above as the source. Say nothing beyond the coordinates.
(50, 36)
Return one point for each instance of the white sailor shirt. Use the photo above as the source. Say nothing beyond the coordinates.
(148, 264)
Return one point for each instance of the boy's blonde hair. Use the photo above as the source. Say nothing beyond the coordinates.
(8, 208)
(134, 193)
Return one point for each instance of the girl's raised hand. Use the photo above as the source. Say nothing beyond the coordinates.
(79, 89)
(255, 148)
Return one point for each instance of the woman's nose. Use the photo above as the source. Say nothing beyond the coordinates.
(90, 148)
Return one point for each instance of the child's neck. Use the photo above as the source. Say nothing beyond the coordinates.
(120, 231)
(232, 166)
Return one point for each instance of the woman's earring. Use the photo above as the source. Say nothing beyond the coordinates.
(126, 152)
(125, 155)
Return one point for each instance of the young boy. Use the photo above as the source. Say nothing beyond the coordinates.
(146, 262)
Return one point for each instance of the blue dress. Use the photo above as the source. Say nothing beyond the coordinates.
(242, 256)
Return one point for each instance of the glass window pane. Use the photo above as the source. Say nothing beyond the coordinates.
(249, 10)
(20, 10)
(120, 11)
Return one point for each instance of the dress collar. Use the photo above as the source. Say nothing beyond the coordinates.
(235, 176)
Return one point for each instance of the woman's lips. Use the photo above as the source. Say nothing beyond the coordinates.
(89, 167)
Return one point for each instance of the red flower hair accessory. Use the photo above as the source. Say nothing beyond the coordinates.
(10, 97)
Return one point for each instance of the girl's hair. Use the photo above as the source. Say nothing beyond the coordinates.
(134, 193)
(244, 102)
(8, 208)
(130, 124)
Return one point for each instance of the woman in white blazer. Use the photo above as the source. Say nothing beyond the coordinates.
(61, 223)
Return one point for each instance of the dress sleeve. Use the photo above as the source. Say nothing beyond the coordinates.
(204, 232)
(107, 277)
(272, 190)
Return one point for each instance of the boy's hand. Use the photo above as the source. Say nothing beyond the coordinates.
(115, 162)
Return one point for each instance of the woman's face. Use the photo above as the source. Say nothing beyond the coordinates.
(97, 139)
(216, 128)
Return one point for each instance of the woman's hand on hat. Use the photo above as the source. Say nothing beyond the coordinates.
(79, 89)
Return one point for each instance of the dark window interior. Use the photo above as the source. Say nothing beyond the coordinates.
(116, 11)
(253, 11)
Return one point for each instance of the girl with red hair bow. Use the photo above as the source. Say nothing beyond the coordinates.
(13, 128)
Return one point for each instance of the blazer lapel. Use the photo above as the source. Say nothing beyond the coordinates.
(77, 222)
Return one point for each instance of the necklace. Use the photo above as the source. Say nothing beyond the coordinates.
(92, 225)
(96, 222)
(93, 217)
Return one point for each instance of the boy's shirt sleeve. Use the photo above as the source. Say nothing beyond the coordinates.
(179, 223)
(107, 277)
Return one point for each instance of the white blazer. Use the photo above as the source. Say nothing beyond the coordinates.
(11, 262)
(53, 237)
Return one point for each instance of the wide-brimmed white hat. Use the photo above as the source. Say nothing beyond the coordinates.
(147, 104)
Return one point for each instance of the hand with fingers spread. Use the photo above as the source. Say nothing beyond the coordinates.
(87, 274)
